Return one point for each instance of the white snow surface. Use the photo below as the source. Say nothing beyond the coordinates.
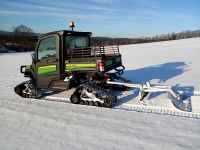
(52, 122)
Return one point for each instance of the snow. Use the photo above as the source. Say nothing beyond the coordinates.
(10, 51)
(52, 122)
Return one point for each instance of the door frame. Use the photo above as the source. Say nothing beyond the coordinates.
(44, 80)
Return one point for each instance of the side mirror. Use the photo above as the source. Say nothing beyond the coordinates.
(33, 58)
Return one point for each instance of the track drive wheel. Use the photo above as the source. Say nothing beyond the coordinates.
(96, 103)
(86, 102)
(75, 99)
(91, 103)
(17, 90)
(108, 102)
(81, 102)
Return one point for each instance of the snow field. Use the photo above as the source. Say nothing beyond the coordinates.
(52, 122)
(33, 124)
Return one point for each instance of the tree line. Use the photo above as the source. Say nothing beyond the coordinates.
(163, 37)
(23, 38)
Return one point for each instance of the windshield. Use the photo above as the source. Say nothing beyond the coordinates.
(76, 42)
(47, 48)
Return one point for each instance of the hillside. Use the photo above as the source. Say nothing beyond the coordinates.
(52, 122)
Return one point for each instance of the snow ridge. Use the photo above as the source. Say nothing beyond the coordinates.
(157, 110)
(139, 108)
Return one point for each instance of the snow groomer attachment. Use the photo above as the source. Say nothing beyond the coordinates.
(181, 102)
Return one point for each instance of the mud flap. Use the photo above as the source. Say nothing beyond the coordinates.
(183, 104)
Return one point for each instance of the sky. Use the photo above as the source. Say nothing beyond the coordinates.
(106, 18)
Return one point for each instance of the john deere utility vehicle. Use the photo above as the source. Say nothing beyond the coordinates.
(65, 59)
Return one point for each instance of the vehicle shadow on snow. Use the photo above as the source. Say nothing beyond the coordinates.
(158, 74)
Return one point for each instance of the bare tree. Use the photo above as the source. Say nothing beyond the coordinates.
(4, 39)
(197, 33)
(168, 36)
(157, 39)
(193, 34)
(161, 37)
(23, 35)
(187, 34)
(173, 36)
(182, 35)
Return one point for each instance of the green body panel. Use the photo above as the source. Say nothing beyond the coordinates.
(47, 69)
(78, 66)
(108, 62)
(28, 67)
(118, 59)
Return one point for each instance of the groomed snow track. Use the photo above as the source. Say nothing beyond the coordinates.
(137, 108)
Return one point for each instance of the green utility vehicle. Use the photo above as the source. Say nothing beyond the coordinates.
(65, 59)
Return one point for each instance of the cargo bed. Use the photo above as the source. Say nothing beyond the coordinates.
(89, 58)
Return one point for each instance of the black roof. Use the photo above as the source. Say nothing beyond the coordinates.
(67, 32)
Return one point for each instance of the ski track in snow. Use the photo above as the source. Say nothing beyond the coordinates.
(138, 108)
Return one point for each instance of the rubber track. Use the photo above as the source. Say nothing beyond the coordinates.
(28, 89)
(92, 86)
